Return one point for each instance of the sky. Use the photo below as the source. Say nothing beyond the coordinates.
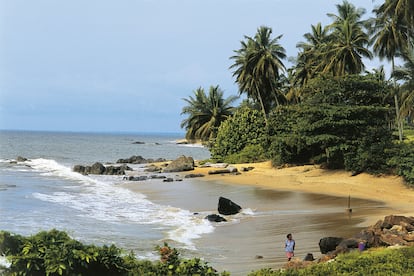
(126, 65)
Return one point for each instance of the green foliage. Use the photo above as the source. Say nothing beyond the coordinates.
(246, 127)
(403, 161)
(55, 253)
(384, 262)
(250, 153)
(350, 137)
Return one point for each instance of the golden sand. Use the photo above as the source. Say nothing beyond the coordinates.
(312, 179)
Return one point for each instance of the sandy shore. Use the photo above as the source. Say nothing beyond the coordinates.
(311, 179)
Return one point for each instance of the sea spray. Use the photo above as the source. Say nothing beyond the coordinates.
(99, 197)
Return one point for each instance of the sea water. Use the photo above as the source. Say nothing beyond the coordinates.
(43, 193)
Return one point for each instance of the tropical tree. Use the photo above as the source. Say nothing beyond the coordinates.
(405, 73)
(258, 66)
(392, 29)
(348, 43)
(206, 113)
(310, 54)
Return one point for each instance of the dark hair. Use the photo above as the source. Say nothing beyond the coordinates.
(287, 236)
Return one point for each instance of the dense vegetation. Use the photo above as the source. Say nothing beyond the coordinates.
(385, 262)
(325, 109)
(55, 253)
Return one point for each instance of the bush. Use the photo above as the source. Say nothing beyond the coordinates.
(250, 153)
(55, 253)
(403, 161)
(246, 127)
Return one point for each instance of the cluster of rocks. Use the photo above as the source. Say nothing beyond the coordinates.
(99, 168)
(137, 159)
(392, 230)
(225, 207)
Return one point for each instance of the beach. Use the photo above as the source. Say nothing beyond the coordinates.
(306, 200)
(388, 189)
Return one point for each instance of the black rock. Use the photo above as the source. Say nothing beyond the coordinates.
(227, 207)
(215, 218)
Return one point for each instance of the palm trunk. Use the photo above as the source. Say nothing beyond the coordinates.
(397, 108)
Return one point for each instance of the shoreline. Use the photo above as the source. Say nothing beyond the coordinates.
(389, 190)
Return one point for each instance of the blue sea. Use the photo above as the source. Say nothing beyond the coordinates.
(43, 193)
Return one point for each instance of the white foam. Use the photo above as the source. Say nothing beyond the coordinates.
(97, 197)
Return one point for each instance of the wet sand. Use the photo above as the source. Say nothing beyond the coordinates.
(306, 201)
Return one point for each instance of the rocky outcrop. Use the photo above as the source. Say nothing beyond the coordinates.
(21, 159)
(392, 230)
(99, 168)
(180, 164)
(227, 207)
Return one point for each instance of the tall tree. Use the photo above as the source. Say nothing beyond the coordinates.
(405, 74)
(391, 31)
(258, 66)
(206, 113)
(348, 43)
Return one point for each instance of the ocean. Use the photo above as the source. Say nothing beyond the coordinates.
(43, 193)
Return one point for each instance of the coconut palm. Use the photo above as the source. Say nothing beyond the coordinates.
(401, 10)
(348, 42)
(391, 36)
(310, 54)
(257, 67)
(206, 113)
(405, 73)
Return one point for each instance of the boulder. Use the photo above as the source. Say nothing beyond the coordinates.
(215, 218)
(329, 244)
(223, 171)
(168, 179)
(227, 207)
(180, 164)
(390, 221)
(152, 168)
(97, 168)
(346, 245)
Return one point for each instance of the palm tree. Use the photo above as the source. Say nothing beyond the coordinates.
(405, 73)
(348, 42)
(391, 37)
(310, 54)
(206, 113)
(257, 67)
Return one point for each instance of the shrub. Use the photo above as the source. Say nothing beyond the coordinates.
(403, 161)
(245, 128)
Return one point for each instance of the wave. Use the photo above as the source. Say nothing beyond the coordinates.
(99, 198)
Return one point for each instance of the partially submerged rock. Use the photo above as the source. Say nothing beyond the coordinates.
(227, 207)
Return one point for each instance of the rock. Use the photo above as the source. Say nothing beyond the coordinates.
(389, 239)
(138, 143)
(21, 159)
(215, 218)
(152, 168)
(329, 244)
(390, 221)
(244, 169)
(346, 245)
(168, 179)
(227, 207)
(137, 178)
(180, 164)
(99, 168)
(135, 159)
(309, 257)
(194, 175)
(223, 171)
(369, 237)
(155, 176)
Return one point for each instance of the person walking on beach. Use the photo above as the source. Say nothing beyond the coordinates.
(289, 247)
